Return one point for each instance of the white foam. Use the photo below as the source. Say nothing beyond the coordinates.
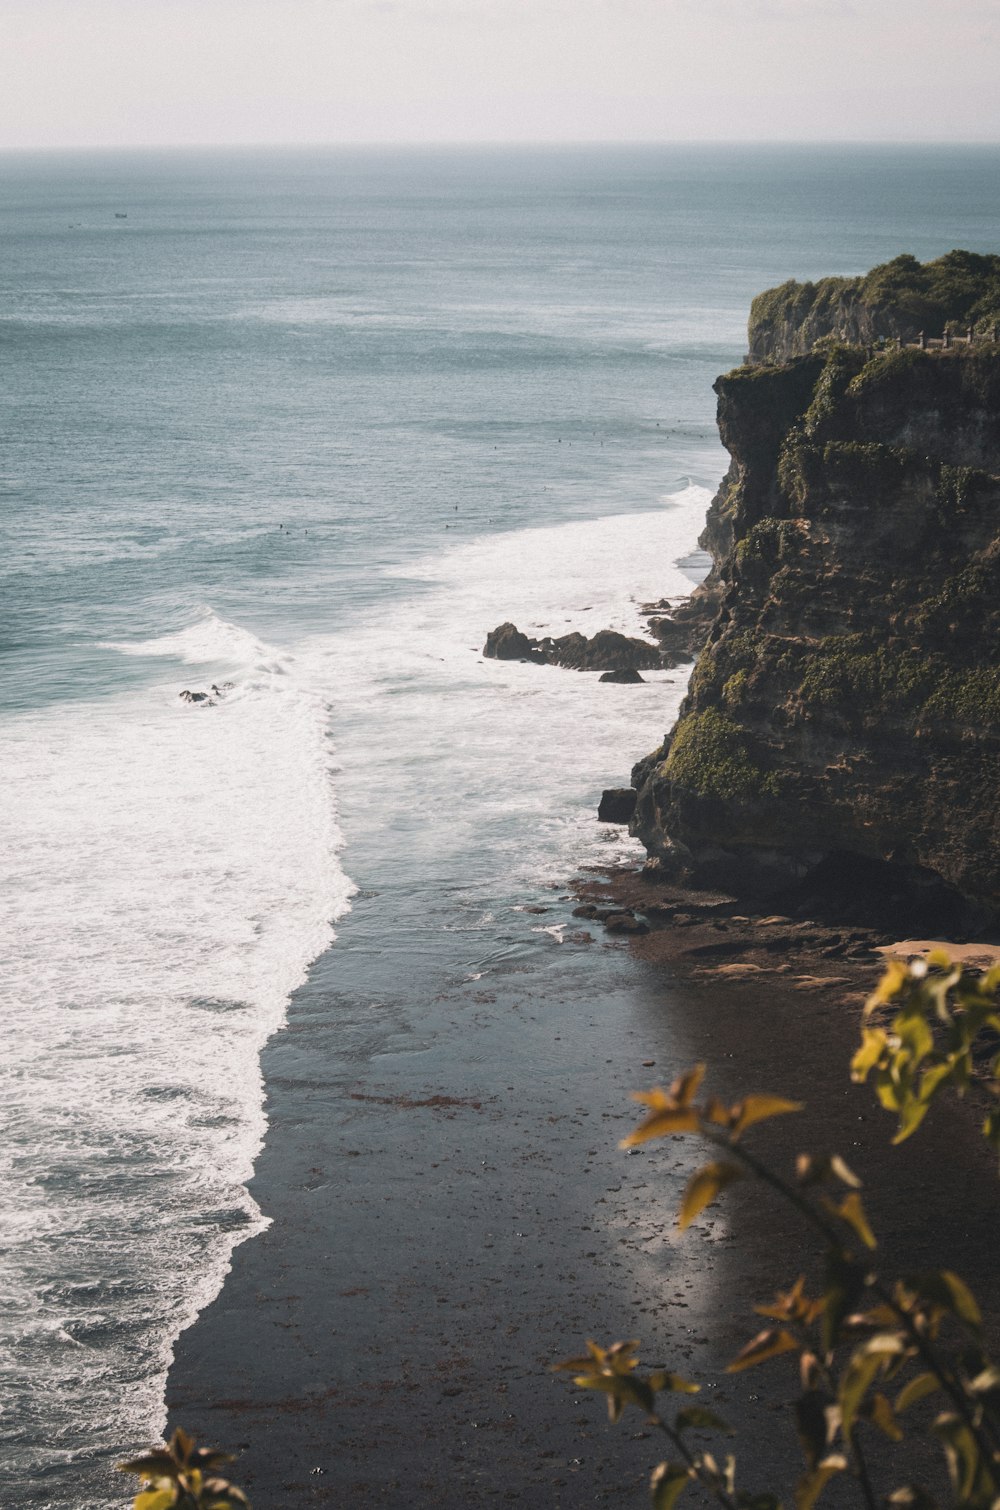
(171, 871)
(208, 640)
(587, 575)
(493, 769)
(168, 874)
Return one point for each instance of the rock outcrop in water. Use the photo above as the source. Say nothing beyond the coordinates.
(844, 717)
(605, 651)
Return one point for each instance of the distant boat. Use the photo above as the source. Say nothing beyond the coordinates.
(120, 215)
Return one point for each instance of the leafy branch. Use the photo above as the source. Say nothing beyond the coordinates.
(869, 1349)
(181, 1476)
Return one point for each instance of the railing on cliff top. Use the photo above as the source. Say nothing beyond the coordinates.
(950, 340)
(988, 336)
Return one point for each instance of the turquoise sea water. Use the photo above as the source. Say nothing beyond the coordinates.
(312, 423)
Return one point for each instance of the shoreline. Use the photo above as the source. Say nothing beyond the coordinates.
(450, 1213)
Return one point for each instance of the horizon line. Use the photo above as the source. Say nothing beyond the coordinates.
(496, 143)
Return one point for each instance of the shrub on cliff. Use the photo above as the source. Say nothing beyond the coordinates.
(897, 298)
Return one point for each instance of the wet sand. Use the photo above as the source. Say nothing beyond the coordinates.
(451, 1212)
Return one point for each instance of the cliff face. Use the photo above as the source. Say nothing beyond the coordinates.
(847, 704)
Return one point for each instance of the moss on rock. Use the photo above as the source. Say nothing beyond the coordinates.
(710, 755)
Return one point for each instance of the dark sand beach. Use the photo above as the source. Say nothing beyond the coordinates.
(451, 1212)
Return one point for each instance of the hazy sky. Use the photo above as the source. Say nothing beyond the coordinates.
(89, 72)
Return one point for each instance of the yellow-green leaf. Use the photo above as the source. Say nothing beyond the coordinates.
(843, 1172)
(703, 1187)
(912, 1111)
(667, 1483)
(813, 1169)
(889, 1094)
(943, 1288)
(852, 1212)
(882, 1415)
(765, 1345)
(987, 1382)
(155, 1499)
(914, 1034)
(858, 1375)
(897, 974)
(669, 1119)
(718, 1113)
(917, 1389)
(911, 1497)
(151, 1465)
(685, 1087)
(811, 1485)
(933, 1078)
(758, 1108)
(963, 1301)
(664, 1380)
(962, 1452)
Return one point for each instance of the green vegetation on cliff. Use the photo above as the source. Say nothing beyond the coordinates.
(961, 286)
(711, 755)
(896, 299)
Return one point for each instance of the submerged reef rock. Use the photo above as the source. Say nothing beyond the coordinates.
(606, 651)
(205, 699)
(843, 721)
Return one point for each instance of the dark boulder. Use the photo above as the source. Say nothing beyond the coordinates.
(507, 643)
(606, 651)
(628, 677)
(625, 922)
(617, 805)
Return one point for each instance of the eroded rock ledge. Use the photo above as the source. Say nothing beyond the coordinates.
(845, 712)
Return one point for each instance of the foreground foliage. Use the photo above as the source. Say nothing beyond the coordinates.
(869, 1347)
(180, 1476)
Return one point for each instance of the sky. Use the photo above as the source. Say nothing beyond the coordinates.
(76, 73)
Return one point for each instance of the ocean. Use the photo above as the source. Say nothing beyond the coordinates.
(305, 425)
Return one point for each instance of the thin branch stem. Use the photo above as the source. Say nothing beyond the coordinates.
(829, 1379)
(862, 1474)
(951, 1386)
(806, 1209)
(707, 1481)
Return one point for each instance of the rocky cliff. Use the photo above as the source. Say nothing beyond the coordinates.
(844, 715)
